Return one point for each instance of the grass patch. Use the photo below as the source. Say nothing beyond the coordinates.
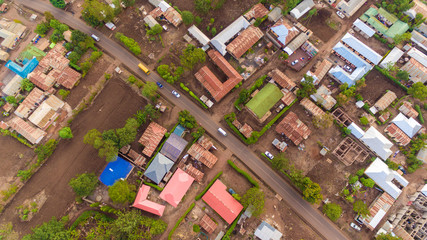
(332, 24)
(198, 197)
(245, 174)
(180, 220)
(265, 100)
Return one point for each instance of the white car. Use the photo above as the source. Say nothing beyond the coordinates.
(176, 93)
(294, 62)
(340, 14)
(269, 155)
(353, 225)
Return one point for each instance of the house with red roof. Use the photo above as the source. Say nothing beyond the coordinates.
(176, 188)
(142, 203)
(222, 202)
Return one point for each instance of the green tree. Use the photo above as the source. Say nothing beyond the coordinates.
(127, 3)
(48, 16)
(156, 29)
(133, 225)
(26, 85)
(419, 18)
(187, 17)
(402, 75)
(74, 57)
(203, 6)
(44, 151)
(150, 90)
(129, 43)
(122, 192)
(12, 100)
(364, 121)
(388, 236)
(360, 208)
(255, 197)
(404, 37)
(360, 172)
(352, 179)
(95, 12)
(198, 20)
(307, 87)
(108, 150)
(53, 229)
(56, 36)
(42, 28)
(311, 191)
(187, 120)
(58, 3)
(280, 161)
(191, 56)
(92, 136)
(332, 210)
(127, 134)
(65, 133)
(367, 182)
(78, 36)
(243, 96)
(418, 90)
(84, 184)
(198, 133)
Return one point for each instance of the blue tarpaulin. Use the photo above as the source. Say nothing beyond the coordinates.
(23, 71)
(115, 171)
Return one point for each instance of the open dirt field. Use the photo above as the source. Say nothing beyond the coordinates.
(381, 83)
(14, 156)
(318, 25)
(110, 110)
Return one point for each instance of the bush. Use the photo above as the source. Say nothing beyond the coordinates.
(187, 17)
(360, 172)
(198, 197)
(65, 133)
(367, 182)
(420, 114)
(353, 179)
(130, 43)
(364, 121)
(332, 210)
(196, 228)
(63, 93)
(122, 192)
(245, 174)
(154, 186)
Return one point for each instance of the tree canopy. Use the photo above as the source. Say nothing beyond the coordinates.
(133, 225)
(361, 208)
(192, 55)
(255, 197)
(58, 3)
(307, 87)
(53, 229)
(187, 17)
(65, 133)
(280, 161)
(418, 90)
(84, 184)
(95, 12)
(332, 210)
(187, 120)
(26, 85)
(149, 90)
(388, 236)
(122, 192)
(203, 6)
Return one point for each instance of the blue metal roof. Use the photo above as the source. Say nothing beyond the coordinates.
(115, 170)
(361, 48)
(23, 71)
(282, 32)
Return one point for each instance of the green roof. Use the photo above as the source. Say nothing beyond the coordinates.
(397, 28)
(265, 99)
(377, 25)
(387, 15)
(31, 51)
(371, 12)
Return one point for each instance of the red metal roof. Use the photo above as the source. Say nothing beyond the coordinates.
(142, 203)
(293, 128)
(208, 224)
(281, 79)
(397, 134)
(176, 188)
(257, 11)
(222, 202)
(202, 155)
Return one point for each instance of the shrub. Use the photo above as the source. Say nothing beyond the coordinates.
(65, 133)
(187, 17)
(196, 228)
(353, 179)
(122, 192)
(346, 192)
(367, 182)
(360, 172)
(420, 114)
(63, 93)
(131, 79)
(364, 121)
(84, 184)
(130, 43)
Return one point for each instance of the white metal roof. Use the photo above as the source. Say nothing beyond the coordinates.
(229, 32)
(408, 125)
(393, 56)
(199, 35)
(364, 28)
(418, 55)
(302, 8)
(377, 143)
(13, 86)
(356, 130)
(383, 177)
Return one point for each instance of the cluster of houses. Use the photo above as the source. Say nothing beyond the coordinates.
(40, 108)
(11, 33)
(162, 11)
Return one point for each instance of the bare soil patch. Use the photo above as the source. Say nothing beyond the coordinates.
(110, 109)
(377, 85)
(318, 24)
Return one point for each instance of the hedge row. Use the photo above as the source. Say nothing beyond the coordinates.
(198, 197)
(180, 220)
(87, 214)
(420, 114)
(193, 95)
(154, 186)
(232, 226)
(245, 174)
(387, 74)
(6, 132)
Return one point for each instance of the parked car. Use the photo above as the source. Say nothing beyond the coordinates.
(340, 14)
(269, 155)
(402, 169)
(294, 62)
(176, 93)
(95, 37)
(159, 84)
(355, 226)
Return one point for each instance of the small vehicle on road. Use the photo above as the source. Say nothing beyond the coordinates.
(159, 84)
(144, 68)
(220, 130)
(340, 14)
(95, 37)
(355, 226)
(176, 93)
(294, 62)
(269, 155)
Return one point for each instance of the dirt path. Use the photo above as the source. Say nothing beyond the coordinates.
(110, 110)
